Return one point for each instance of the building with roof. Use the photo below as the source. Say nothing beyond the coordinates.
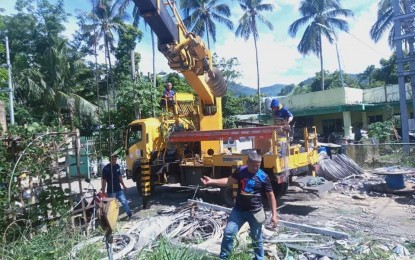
(339, 110)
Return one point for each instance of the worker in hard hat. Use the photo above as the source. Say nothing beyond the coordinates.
(282, 116)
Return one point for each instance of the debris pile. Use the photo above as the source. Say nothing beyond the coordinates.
(338, 168)
(198, 226)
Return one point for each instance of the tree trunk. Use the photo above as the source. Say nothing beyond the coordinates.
(153, 47)
(257, 73)
(98, 98)
(110, 72)
(321, 63)
(137, 112)
(207, 35)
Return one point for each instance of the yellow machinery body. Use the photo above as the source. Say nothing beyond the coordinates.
(153, 154)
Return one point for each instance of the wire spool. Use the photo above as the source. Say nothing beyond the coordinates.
(216, 83)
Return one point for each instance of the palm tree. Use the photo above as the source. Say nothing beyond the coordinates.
(321, 20)
(200, 17)
(105, 20)
(248, 25)
(367, 75)
(383, 22)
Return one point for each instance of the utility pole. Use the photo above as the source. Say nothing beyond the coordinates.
(9, 68)
(401, 19)
(338, 61)
(337, 51)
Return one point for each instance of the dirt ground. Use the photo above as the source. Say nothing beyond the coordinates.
(351, 207)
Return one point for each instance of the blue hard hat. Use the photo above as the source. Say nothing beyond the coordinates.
(274, 103)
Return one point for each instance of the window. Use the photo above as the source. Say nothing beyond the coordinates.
(135, 135)
(332, 125)
(374, 119)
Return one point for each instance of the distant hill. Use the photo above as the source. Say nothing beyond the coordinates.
(273, 90)
(270, 91)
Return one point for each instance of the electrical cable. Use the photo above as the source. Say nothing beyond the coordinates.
(367, 45)
(338, 168)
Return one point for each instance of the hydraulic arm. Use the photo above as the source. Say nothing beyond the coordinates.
(185, 52)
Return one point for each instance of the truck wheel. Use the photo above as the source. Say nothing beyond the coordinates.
(138, 185)
(226, 194)
(280, 189)
(146, 202)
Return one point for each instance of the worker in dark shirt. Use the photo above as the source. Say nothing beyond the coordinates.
(282, 116)
(169, 96)
(252, 183)
(112, 181)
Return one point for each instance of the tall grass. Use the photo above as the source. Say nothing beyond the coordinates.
(165, 250)
(55, 242)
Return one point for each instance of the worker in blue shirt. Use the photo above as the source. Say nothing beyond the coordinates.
(282, 116)
(169, 95)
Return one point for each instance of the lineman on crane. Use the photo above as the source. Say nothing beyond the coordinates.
(282, 116)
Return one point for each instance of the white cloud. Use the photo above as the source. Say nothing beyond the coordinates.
(275, 58)
(279, 59)
(357, 50)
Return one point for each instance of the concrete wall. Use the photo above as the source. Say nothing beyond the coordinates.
(326, 98)
(345, 96)
(385, 94)
(3, 122)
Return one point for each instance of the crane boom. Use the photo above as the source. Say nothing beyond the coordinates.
(185, 51)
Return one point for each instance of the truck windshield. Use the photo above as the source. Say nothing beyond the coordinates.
(135, 134)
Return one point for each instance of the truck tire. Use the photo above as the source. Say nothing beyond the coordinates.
(146, 202)
(226, 195)
(279, 189)
(138, 185)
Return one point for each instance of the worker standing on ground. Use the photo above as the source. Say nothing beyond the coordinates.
(112, 181)
(282, 116)
(252, 183)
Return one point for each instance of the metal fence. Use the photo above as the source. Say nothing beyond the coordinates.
(369, 156)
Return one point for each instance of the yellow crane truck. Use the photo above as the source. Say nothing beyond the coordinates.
(187, 141)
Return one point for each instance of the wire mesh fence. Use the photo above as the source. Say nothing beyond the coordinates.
(370, 156)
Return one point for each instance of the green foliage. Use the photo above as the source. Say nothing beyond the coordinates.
(179, 83)
(388, 71)
(320, 18)
(228, 67)
(301, 89)
(32, 152)
(31, 243)
(229, 122)
(286, 90)
(128, 37)
(200, 17)
(166, 250)
(381, 130)
(231, 105)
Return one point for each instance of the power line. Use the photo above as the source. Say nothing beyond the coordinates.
(367, 45)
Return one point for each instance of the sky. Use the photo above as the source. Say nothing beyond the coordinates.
(279, 60)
